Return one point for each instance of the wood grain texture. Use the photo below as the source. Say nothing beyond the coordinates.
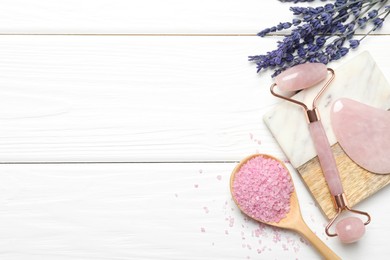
(358, 183)
(129, 99)
(147, 16)
(152, 211)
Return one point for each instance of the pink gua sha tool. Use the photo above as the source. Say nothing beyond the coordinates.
(364, 134)
(262, 188)
(300, 77)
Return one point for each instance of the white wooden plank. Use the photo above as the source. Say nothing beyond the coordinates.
(153, 211)
(126, 99)
(147, 16)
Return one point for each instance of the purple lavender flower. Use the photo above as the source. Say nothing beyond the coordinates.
(354, 44)
(321, 34)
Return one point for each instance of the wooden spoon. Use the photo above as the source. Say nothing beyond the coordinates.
(293, 220)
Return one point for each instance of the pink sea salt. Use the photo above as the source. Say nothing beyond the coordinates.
(262, 188)
(231, 221)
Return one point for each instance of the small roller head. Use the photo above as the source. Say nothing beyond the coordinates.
(350, 229)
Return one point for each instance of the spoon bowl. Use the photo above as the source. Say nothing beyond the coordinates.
(292, 220)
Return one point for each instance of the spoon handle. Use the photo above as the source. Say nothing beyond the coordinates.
(323, 249)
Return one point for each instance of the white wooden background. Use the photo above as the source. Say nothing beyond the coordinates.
(121, 121)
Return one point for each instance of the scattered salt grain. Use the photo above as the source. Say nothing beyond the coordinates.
(231, 221)
(262, 187)
(277, 237)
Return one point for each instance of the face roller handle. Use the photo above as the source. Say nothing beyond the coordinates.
(326, 158)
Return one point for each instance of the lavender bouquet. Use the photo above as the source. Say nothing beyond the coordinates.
(322, 34)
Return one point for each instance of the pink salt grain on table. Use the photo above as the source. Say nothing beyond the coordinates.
(263, 187)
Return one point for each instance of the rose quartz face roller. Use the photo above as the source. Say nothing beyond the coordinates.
(349, 229)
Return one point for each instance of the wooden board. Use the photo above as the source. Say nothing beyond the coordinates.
(358, 183)
(133, 98)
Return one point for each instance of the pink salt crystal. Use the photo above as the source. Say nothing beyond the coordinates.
(277, 236)
(231, 221)
(350, 229)
(301, 76)
(262, 188)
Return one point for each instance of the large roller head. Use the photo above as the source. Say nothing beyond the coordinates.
(301, 76)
